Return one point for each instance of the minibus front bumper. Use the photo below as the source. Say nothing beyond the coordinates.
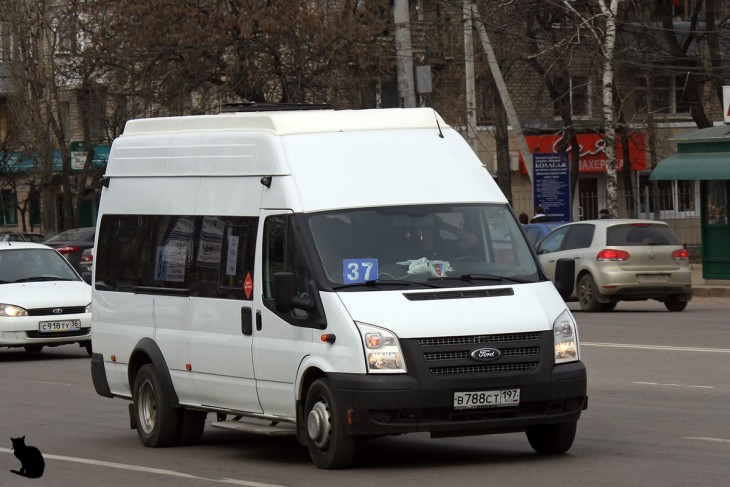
(385, 404)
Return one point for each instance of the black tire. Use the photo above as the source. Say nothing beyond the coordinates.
(674, 304)
(88, 348)
(156, 421)
(609, 306)
(588, 294)
(191, 426)
(552, 439)
(329, 445)
(33, 348)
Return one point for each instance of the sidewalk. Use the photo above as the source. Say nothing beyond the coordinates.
(702, 288)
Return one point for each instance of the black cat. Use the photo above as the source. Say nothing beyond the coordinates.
(31, 459)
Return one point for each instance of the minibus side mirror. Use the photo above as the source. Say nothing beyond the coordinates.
(565, 277)
(285, 294)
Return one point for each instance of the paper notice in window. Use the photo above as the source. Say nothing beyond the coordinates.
(232, 257)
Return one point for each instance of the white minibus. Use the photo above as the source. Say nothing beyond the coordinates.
(337, 275)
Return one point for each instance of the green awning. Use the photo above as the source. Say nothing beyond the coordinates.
(693, 166)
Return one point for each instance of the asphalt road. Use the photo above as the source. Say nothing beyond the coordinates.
(659, 414)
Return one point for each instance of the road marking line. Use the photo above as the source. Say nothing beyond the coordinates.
(655, 347)
(159, 471)
(705, 438)
(671, 385)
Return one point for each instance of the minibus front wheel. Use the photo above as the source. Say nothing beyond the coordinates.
(329, 445)
(156, 420)
(552, 439)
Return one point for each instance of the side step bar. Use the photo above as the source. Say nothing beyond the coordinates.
(271, 428)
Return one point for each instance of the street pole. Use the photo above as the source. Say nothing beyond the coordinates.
(471, 98)
(504, 93)
(404, 54)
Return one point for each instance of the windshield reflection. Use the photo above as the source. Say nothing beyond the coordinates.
(440, 245)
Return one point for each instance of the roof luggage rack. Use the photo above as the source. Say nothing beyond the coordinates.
(252, 106)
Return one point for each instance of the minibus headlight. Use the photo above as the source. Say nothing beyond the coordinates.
(382, 350)
(565, 339)
(88, 308)
(12, 311)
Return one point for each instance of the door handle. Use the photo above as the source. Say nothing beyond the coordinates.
(246, 321)
(258, 321)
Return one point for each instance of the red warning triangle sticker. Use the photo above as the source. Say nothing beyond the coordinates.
(248, 285)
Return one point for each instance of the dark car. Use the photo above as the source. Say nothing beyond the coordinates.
(537, 231)
(87, 262)
(72, 243)
(21, 237)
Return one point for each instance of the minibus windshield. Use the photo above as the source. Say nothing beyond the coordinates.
(449, 245)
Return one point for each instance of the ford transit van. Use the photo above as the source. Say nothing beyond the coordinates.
(333, 275)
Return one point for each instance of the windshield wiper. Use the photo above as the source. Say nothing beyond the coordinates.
(481, 277)
(388, 282)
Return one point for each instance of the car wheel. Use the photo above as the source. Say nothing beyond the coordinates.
(674, 304)
(587, 294)
(33, 348)
(329, 445)
(190, 429)
(156, 420)
(552, 439)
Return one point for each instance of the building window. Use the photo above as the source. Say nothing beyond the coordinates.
(679, 9)
(8, 204)
(35, 208)
(580, 96)
(673, 199)
(665, 95)
(717, 202)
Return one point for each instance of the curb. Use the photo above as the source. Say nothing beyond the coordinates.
(711, 292)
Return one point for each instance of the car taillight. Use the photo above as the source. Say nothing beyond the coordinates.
(613, 255)
(87, 258)
(68, 249)
(680, 254)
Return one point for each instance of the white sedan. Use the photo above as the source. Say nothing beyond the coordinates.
(43, 300)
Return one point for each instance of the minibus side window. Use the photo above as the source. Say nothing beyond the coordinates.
(203, 256)
(282, 254)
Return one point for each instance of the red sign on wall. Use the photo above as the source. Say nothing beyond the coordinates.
(592, 151)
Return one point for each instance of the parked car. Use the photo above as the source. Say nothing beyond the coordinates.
(620, 260)
(34, 237)
(537, 231)
(86, 263)
(43, 301)
(21, 237)
(72, 243)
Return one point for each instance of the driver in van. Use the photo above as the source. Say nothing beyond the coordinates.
(427, 237)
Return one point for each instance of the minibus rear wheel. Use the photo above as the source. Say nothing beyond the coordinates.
(329, 445)
(156, 420)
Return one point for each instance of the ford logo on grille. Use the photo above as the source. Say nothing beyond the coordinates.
(57, 311)
(485, 354)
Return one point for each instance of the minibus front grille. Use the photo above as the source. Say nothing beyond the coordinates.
(479, 339)
(486, 368)
(512, 353)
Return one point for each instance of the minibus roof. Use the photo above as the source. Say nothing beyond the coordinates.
(294, 122)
